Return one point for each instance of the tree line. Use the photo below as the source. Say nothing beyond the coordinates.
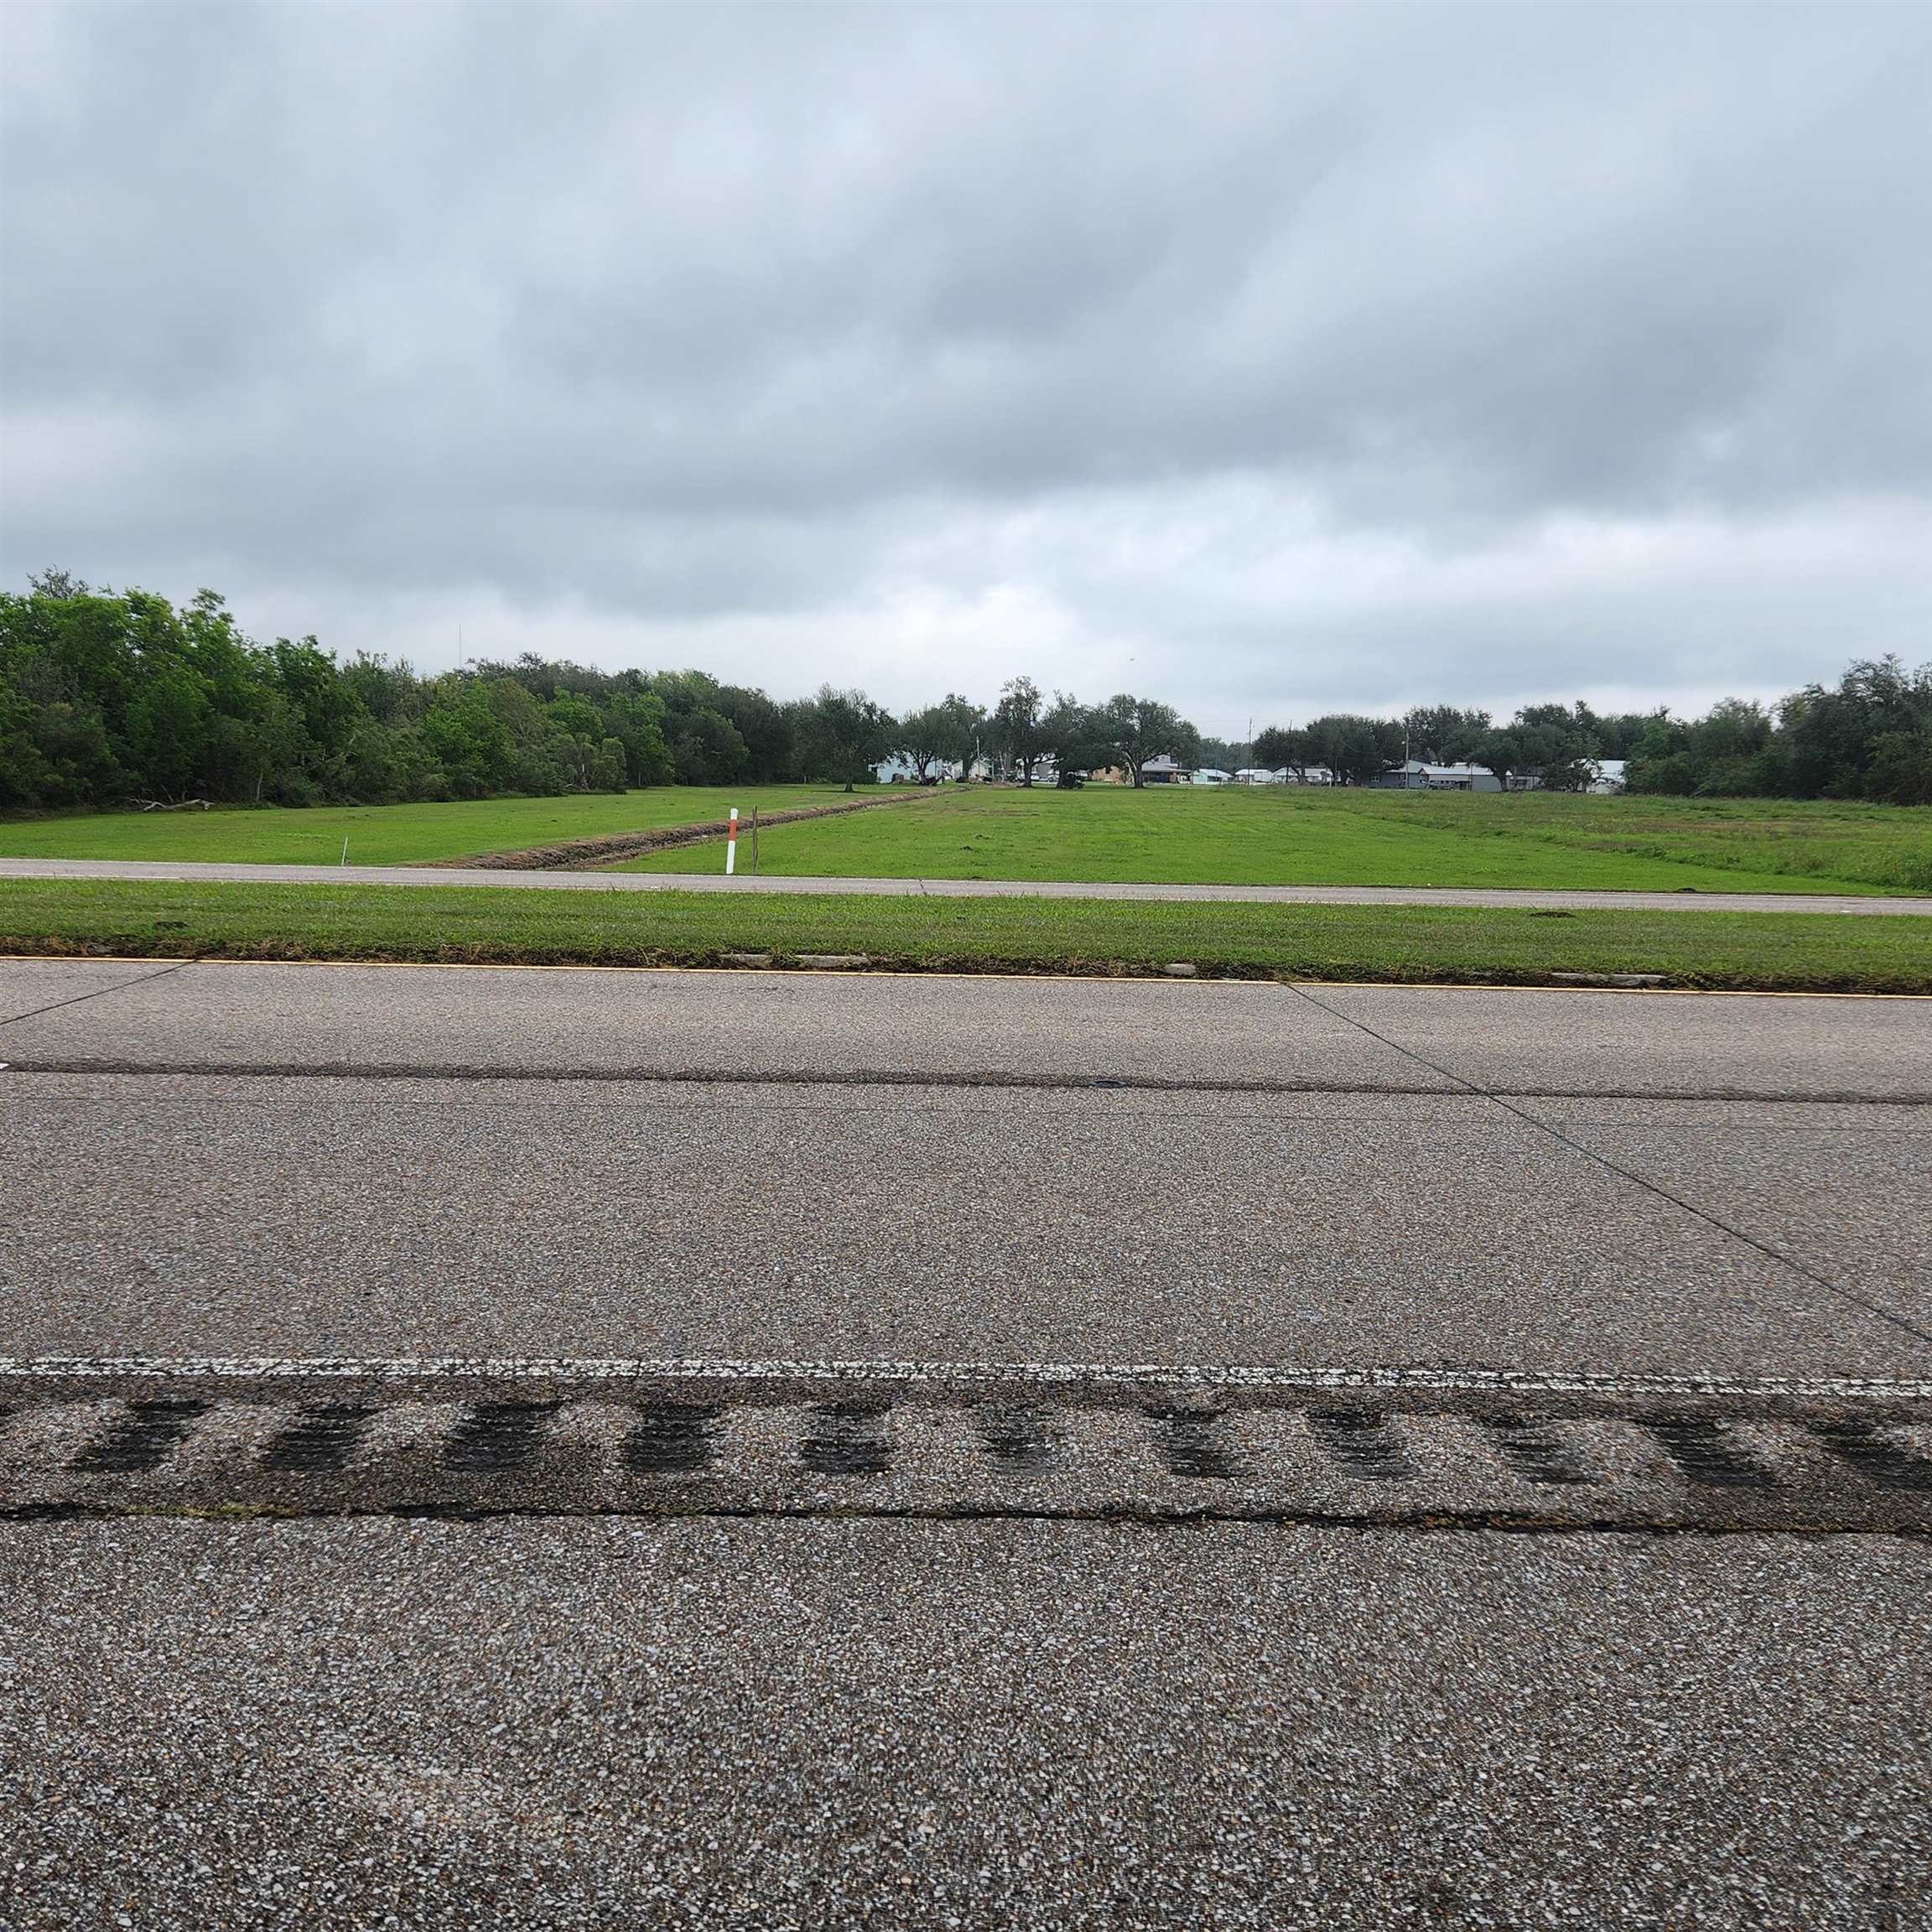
(121, 698)
(110, 697)
(113, 697)
(1870, 736)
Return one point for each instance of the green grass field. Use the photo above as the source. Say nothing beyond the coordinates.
(1263, 836)
(1766, 951)
(389, 834)
(1290, 836)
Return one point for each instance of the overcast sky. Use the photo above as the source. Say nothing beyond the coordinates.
(1263, 359)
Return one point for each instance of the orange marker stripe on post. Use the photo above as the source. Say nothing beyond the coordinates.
(731, 845)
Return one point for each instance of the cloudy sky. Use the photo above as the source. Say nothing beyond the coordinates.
(1266, 359)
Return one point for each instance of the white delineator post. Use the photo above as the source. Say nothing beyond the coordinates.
(731, 845)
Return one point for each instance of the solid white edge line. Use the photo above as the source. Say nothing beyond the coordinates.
(453, 1367)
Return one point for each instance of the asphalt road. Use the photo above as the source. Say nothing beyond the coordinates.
(597, 881)
(834, 1712)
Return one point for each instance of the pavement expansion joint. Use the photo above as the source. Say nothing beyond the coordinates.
(97, 1438)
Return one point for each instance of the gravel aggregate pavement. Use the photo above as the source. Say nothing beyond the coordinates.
(189, 1214)
(577, 1724)
(813, 1713)
(765, 1024)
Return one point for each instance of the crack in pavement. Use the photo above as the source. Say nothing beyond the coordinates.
(1736, 1233)
(98, 993)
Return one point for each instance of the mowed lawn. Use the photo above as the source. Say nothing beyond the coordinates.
(1292, 836)
(1766, 951)
(390, 835)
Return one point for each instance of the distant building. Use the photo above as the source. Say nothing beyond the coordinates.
(1612, 776)
(1212, 774)
(1259, 775)
(1163, 771)
(1418, 776)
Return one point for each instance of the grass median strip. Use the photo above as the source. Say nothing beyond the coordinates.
(1762, 950)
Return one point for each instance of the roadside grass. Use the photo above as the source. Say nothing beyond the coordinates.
(391, 834)
(1761, 950)
(1295, 836)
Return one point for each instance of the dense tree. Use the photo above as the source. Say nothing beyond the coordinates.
(947, 732)
(1283, 748)
(844, 734)
(1865, 738)
(113, 697)
(1138, 729)
(1443, 734)
(1014, 727)
(1354, 749)
(1552, 741)
(1076, 737)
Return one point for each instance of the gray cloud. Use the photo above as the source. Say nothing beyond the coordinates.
(1269, 358)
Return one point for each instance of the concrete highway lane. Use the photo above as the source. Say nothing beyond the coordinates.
(493, 1447)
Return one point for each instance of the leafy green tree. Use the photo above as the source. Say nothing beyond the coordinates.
(941, 734)
(1283, 748)
(1354, 749)
(1076, 735)
(1135, 730)
(764, 727)
(1900, 772)
(636, 720)
(843, 736)
(706, 748)
(1015, 727)
(1443, 734)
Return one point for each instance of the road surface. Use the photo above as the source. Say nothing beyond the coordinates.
(597, 1448)
(191, 872)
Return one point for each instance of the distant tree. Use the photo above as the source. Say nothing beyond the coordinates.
(1900, 772)
(1076, 734)
(56, 586)
(706, 749)
(107, 696)
(1138, 729)
(770, 743)
(1616, 736)
(944, 733)
(1832, 735)
(1354, 748)
(843, 736)
(1442, 734)
(1224, 754)
(1282, 748)
(1501, 754)
(636, 721)
(1016, 726)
